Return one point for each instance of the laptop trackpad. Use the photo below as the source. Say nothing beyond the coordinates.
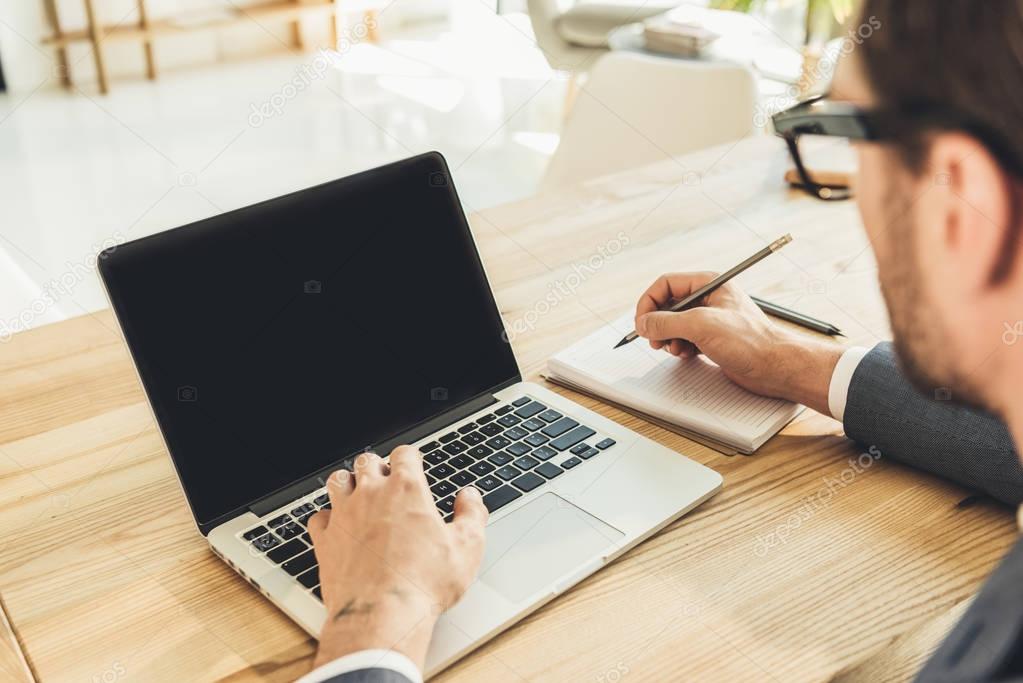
(540, 543)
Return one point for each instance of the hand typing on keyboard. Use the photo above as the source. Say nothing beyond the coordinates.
(388, 563)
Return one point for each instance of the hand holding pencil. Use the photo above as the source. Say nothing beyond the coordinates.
(729, 328)
(694, 297)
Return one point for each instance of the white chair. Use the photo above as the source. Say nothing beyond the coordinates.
(573, 35)
(635, 109)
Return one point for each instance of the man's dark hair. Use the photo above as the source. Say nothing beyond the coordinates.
(965, 56)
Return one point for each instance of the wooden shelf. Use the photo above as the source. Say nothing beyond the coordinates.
(146, 31)
(278, 11)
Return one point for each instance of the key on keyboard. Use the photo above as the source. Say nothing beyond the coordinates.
(549, 470)
(463, 478)
(528, 481)
(500, 497)
(492, 429)
(300, 563)
(569, 439)
(310, 578)
(518, 449)
(508, 472)
(499, 459)
(286, 551)
(558, 428)
(530, 410)
(544, 453)
(533, 424)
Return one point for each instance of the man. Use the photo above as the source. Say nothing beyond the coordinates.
(940, 201)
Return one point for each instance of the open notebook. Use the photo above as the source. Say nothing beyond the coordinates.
(693, 394)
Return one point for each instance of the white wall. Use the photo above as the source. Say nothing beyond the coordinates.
(28, 64)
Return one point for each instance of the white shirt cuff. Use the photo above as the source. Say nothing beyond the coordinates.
(365, 659)
(841, 378)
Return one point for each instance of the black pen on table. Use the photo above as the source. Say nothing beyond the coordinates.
(797, 318)
(697, 296)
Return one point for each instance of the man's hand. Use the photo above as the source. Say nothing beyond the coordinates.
(732, 331)
(389, 565)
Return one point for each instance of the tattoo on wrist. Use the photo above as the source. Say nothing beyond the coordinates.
(353, 607)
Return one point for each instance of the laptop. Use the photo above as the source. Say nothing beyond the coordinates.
(278, 341)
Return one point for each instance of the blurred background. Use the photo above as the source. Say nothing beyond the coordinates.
(120, 118)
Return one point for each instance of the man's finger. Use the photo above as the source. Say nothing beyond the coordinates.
(317, 523)
(681, 348)
(670, 287)
(470, 512)
(407, 460)
(690, 325)
(368, 469)
(339, 486)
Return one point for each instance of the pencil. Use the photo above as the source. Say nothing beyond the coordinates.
(697, 296)
(797, 318)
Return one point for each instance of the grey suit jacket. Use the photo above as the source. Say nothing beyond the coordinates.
(369, 676)
(967, 446)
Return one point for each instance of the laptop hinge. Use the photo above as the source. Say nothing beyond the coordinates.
(269, 503)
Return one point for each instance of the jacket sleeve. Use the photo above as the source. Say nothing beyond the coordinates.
(368, 676)
(969, 446)
(366, 666)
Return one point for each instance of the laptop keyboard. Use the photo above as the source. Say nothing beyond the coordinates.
(505, 454)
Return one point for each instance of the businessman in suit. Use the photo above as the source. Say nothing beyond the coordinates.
(943, 208)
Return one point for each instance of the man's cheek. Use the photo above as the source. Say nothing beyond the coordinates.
(870, 197)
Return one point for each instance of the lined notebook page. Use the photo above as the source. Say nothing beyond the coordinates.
(693, 393)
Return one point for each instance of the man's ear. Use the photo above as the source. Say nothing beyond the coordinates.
(974, 212)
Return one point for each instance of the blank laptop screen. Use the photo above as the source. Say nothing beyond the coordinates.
(275, 340)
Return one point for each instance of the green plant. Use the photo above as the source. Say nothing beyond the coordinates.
(819, 13)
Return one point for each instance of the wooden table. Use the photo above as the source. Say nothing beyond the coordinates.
(105, 578)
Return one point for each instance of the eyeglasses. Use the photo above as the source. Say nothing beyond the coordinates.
(822, 117)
